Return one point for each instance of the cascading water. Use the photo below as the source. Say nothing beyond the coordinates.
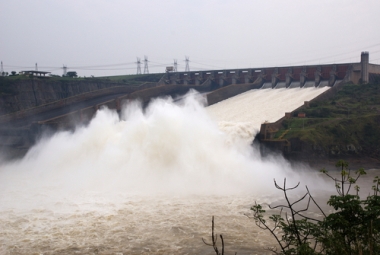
(148, 183)
(242, 115)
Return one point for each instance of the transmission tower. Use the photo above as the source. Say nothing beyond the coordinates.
(187, 68)
(175, 65)
(138, 66)
(2, 70)
(64, 70)
(146, 70)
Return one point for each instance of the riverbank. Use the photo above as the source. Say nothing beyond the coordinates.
(343, 127)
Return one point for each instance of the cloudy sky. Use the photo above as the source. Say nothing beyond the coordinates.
(104, 37)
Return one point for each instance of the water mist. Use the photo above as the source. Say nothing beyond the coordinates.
(146, 182)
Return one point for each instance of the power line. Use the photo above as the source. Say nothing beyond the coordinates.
(146, 69)
(95, 69)
(340, 56)
(110, 65)
(158, 65)
(187, 68)
(175, 65)
(207, 65)
(138, 66)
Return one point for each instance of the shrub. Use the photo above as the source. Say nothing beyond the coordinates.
(354, 227)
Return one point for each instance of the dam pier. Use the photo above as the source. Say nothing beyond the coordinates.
(279, 77)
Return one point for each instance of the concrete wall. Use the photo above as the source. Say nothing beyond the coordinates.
(375, 69)
(33, 92)
(67, 121)
(364, 61)
(146, 94)
(268, 74)
(231, 91)
(285, 74)
(74, 99)
(354, 74)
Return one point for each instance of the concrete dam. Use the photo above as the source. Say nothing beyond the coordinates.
(218, 84)
(150, 183)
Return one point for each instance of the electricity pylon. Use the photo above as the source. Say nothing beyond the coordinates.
(187, 68)
(146, 69)
(138, 66)
(175, 65)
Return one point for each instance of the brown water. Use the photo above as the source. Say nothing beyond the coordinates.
(148, 184)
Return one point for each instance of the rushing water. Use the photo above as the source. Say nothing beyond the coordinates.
(242, 115)
(150, 182)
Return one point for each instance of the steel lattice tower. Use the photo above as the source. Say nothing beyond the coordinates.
(146, 69)
(175, 65)
(187, 69)
(138, 66)
(64, 70)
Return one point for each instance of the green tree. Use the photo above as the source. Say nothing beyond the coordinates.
(72, 74)
(354, 227)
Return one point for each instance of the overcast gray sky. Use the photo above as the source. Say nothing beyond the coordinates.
(104, 37)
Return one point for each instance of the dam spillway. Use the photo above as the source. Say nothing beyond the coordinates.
(243, 114)
(148, 182)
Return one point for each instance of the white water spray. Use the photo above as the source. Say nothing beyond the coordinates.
(242, 115)
(169, 165)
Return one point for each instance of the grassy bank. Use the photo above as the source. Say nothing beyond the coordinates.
(348, 123)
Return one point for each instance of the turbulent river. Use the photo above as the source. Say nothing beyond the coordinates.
(150, 181)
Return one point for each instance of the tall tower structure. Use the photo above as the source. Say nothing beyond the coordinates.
(146, 69)
(138, 66)
(36, 67)
(175, 65)
(364, 61)
(64, 70)
(187, 68)
(2, 70)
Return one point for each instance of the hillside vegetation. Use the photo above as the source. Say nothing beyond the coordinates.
(348, 124)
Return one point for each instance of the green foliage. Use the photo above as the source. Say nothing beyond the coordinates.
(72, 74)
(353, 228)
(285, 124)
(352, 117)
(7, 86)
(319, 112)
